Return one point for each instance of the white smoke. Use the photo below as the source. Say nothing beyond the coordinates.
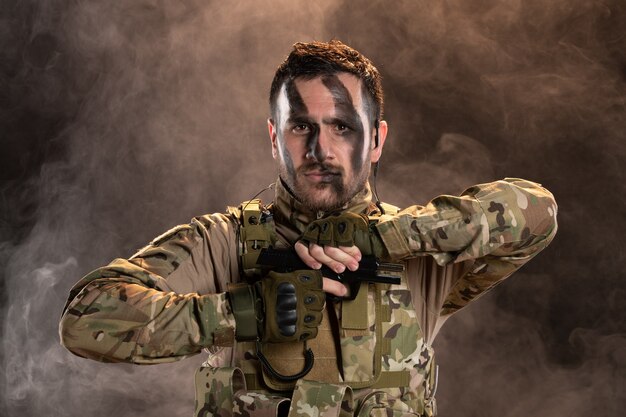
(122, 119)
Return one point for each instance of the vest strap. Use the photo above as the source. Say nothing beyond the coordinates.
(253, 381)
(354, 312)
(391, 379)
(387, 379)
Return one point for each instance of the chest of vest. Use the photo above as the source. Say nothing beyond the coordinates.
(374, 345)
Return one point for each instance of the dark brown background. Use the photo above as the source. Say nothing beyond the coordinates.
(121, 119)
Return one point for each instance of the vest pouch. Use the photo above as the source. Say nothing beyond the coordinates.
(377, 405)
(215, 388)
(221, 392)
(318, 399)
(257, 404)
(361, 339)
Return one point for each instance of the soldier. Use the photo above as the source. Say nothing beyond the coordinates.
(286, 339)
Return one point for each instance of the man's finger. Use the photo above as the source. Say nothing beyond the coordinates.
(319, 253)
(353, 251)
(344, 255)
(337, 259)
(303, 252)
(335, 288)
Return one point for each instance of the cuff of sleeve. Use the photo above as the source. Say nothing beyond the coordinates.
(393, 239)
(216, 325)
(242, 304)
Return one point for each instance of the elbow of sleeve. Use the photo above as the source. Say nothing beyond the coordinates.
(65, 328)
(524, 225)
(538, 211)
(74, 337)
(549, 237)
(90, 335)
(548, 226)
(541, 235)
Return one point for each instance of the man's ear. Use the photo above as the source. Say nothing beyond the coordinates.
(273, 137)
(377, 146)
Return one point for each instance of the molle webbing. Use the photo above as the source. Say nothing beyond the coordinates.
(387, 379)
(367, 372)
(256, 233)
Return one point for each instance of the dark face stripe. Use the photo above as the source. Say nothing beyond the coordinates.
(343, 182)
(296, 104)
(297, 108)
(345, 110)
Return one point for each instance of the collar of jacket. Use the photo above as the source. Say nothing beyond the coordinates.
(291, 213)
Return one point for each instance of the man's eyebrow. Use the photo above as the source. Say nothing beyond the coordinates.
(339, 119)
(299, 118)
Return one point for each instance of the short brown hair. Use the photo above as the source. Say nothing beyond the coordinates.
(313, 59)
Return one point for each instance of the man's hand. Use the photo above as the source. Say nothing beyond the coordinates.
(332, 241)
(282, 307)
(337, 242)
(337, 259)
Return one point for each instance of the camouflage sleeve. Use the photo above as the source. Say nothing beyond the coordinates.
(160, 305)
(493, 229)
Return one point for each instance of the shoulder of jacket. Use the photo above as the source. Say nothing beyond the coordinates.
(389, 208)
(206, 223)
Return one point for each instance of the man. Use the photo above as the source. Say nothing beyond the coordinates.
(277, 343)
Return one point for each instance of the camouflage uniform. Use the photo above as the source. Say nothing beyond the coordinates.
(167, 301)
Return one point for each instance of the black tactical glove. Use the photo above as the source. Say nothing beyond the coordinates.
(345, 229)
(282, 307)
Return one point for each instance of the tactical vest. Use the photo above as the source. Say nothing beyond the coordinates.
(370, 355)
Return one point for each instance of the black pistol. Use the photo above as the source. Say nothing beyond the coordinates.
(287, 260)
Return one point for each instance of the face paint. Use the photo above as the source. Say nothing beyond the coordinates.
(299, 112)
(281, 113)
(322, 152)
(297, 107)
(346, 111)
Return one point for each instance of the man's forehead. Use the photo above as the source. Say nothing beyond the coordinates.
(320, 88)
(351, 82)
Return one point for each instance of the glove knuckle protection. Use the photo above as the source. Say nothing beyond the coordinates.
(339, 230)
(293, 303)
(310, 278)
(314, 301)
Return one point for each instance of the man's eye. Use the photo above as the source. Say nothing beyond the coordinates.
(302, 128)
(342, 128)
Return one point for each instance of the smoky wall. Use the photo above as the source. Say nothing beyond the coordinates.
(122, 119)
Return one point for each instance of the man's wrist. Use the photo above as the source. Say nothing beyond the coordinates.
(242, 302)
(378, 248)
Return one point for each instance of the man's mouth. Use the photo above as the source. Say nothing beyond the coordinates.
(322, 176)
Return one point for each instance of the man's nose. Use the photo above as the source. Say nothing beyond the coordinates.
(319, 146)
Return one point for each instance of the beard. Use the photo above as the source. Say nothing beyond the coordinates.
(330, 194)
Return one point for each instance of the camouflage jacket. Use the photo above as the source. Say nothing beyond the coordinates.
(168, 300)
